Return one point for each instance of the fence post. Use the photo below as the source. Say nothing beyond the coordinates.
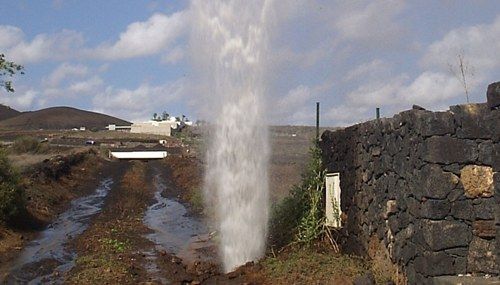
(317, 121)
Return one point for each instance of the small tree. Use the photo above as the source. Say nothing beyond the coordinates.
(8, 69)
(165, 116)
(154, 116)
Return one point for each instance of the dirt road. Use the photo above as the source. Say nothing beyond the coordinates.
(132, 227)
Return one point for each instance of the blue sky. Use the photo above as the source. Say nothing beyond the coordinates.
(132, 58)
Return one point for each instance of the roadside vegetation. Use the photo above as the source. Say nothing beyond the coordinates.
(29, 145)
(299, 218)
(307, 266)
(303, 250)
(12, 198)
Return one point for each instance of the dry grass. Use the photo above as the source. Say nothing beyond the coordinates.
(301, 266)
(382, 267)
(22, 161)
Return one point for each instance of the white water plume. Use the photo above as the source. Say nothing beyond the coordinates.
(229, 41)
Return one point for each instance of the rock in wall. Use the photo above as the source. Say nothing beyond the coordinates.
(426, 185)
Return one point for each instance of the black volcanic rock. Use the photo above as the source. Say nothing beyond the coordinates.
(493, 95)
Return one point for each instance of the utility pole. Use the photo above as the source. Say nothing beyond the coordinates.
(317, 121)
(377, 111)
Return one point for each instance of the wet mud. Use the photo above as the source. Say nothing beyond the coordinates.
(176, 231)
(133, 227)
(46, 258)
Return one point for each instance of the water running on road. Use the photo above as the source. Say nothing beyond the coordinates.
(46, 258)
(173, 227)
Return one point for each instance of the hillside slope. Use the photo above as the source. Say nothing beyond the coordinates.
(57, 118)
(7, 112)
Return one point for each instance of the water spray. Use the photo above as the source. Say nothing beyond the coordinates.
(229, 40)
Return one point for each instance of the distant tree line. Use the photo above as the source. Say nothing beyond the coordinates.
(166, 116)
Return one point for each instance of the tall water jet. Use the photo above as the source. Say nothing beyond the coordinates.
(229, 41)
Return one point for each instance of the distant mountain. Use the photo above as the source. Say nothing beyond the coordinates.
(58, 118)
(7, 112)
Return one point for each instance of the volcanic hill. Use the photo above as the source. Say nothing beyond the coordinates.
(7, 112)
(58, 118)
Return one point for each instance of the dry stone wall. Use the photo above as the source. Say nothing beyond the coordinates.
(425, 185)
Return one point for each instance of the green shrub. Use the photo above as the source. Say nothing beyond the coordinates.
(285, 218)
(28, 145)
(196, 199)
(299, 217)
(11, 194)
(310, 227)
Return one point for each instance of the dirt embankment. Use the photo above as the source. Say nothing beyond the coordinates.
(53, 183)
(49, 188)
(187, 175)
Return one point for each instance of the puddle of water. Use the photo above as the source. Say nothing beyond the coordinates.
(45, 259)
(174, 230)
(172, 227)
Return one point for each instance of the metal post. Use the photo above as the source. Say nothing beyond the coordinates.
(317, 121)
(378, 113)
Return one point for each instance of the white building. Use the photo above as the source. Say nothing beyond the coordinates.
(162, 128)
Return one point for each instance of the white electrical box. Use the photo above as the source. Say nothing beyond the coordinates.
(333, 210)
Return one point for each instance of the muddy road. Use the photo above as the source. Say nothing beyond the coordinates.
(132, 226)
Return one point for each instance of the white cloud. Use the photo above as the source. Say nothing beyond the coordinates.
(372, 69)
(67, 82)
(370, 21)
(145, 38)
(479, 44)
(297, 106)
(372, 94)
(22, 100)
(139, 103)
(156, 34)
(173, 56)
(292, 107)
(344, 115)
(63, 71)
(430, 89)
(86, 86)
(10, 36)
(58, 46)
(295, 98)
